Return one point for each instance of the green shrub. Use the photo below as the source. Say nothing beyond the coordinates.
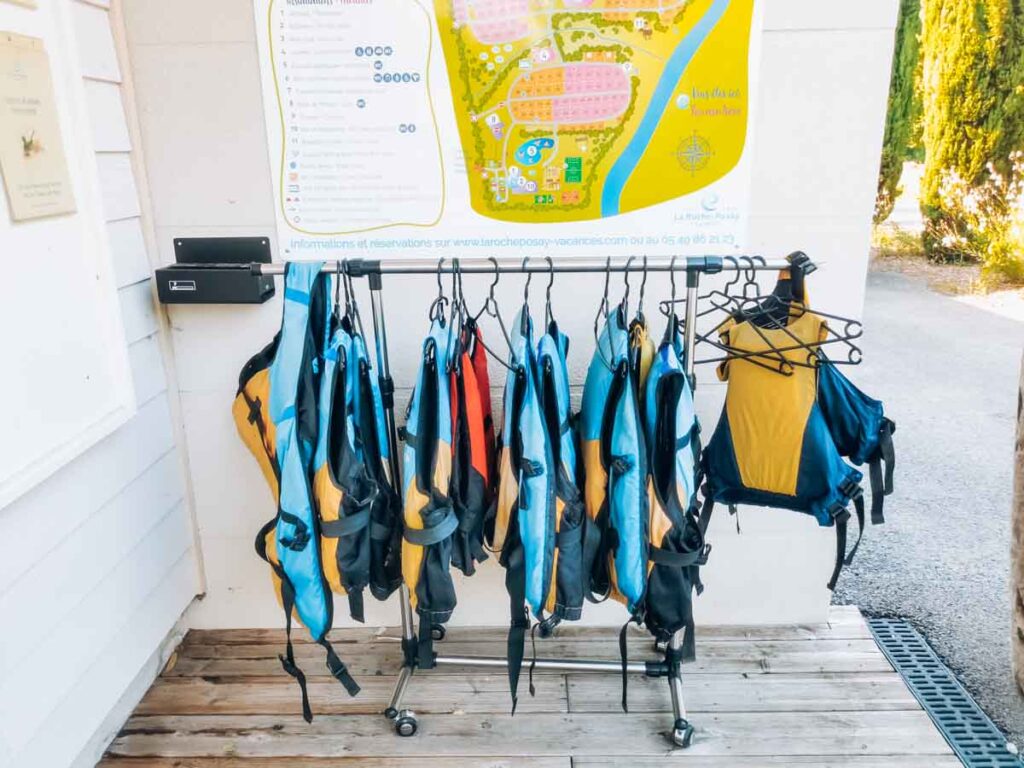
(973, 96)
(903, 120)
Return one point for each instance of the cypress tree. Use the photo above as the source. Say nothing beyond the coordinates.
(973, 91)
(903, 121)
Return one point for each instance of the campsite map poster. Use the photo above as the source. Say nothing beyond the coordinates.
(509, 127)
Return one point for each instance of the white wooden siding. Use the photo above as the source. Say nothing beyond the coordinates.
(103, 565)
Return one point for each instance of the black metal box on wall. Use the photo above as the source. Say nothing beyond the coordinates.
(215, 270)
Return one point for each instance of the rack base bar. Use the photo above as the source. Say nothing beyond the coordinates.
(652, 668)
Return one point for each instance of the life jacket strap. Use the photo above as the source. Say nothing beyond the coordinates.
(515, 584)
(339, 670)
(346, 525)
(288, 660)
(667, 557)
(882, 480)
(841, 518)
(706, 510)
(624, 656)
(300, 538)
(424, 537)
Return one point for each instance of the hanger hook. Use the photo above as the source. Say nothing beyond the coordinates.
(529, 277)
(440, 286)
(672, 277)
(643, 288)
(551, 282)
(625, 279)
(337, 286)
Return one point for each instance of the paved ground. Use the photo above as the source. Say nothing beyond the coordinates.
(948, 374)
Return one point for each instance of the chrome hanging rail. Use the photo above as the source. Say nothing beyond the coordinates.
(707, 265)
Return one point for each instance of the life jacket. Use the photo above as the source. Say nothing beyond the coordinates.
(525, 525)
(596, 419)
(430, 519)
(772, 446)
(626, 459)
(472, 447)
(565, 595)
(677, 548)
(345, 492)
(275, 412)
(861, 432)
(371, 443)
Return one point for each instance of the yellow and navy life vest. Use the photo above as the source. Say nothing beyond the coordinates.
(565, 594)
(430, 520)
(371, 444)
(345, 492)
(625, 456)
(472, 447)
(525, 526)
(276, 415)
(677, 548)
(596, 420)
(772, 446)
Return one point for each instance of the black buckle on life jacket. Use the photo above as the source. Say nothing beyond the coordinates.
(850, 488)
(839, 513)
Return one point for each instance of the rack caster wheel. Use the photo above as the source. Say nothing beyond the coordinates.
(406, 723)
(437, 632)
(391, 713)
(682, 734)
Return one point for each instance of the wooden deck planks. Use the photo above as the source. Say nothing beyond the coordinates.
(384, 657)
(818, 695)
(532, 735)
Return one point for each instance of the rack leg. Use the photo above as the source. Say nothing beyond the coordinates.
(682, 731)
(405, 720)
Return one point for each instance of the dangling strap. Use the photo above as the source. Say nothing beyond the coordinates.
(288, 660)
(533, 661)
(624, 657)
(858, 506)
(515, 584)
(840, 517)
(339, 670)
(706, 509)
(595, 551)
(882, 484)
(425, 644)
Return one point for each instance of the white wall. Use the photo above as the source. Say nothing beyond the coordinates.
(824, 75)
(98, 560)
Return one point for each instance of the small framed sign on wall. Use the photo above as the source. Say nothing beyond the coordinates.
(32, 159)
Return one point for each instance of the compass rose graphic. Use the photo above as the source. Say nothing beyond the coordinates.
(694, 153)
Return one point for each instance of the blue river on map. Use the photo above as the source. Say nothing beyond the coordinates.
(674, 68)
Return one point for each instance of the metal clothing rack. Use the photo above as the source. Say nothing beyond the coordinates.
(405, 720)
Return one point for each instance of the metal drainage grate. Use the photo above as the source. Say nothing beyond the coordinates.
(974, 738)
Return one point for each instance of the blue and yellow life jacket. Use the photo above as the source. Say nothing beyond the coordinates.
(371, 445)
(860, 431)
(430, 519)
(340, 487)
(596, 420)
(525, 524)
(276, 415)
(565, 594)
(677, 548)
(772, 446)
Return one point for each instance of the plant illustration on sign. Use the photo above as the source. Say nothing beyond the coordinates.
(30, 145)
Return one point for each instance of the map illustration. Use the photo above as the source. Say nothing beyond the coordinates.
(570, 110)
